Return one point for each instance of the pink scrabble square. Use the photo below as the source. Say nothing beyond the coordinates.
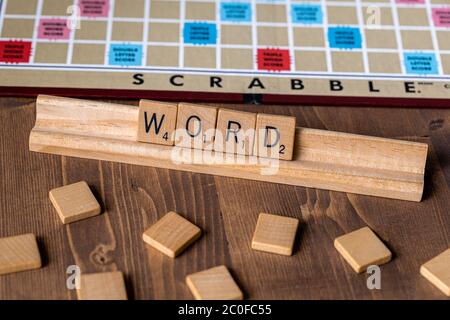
(441, 17)
(94, 8)
(53, 29)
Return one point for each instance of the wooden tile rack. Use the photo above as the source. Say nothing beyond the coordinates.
(322, 159)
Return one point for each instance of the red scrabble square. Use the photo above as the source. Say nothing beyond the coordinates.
(15, 51)
(273, 60)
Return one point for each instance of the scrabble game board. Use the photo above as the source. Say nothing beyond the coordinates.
(386, 52)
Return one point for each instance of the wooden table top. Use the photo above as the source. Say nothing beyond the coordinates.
(134, 197)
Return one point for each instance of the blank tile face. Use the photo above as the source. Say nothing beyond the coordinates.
(127, 31)
(196, 126)
(200, 11)
(102, 286)
(157, 121)
(381, 39)
(84, 53)
(165, 9)
(270, 13)
(199, 57)
(445, 59)
(171, 234)
(17, 28)
(123, 8)
(310, 61)
(443, 39)
(74, 202)
(275, 136)
(342, 15)
(362, 248)
(347, 61)
(19, 253)
(380, 62)
(163, 32)
(235, 132)
(163, 56)
(214, 284)
(237, 58)
(272, 36)
(275, 234)
(91, 30)
(238, 34)
(412, 17)
(56, 7)
(21, 7)
(437, 271)
(51, 52)
(417, 39)
(308, 37)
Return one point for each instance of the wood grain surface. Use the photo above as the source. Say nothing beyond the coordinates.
(227, 209)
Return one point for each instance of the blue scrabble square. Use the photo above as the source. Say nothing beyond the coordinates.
(235, 12)
(420, 63)
(125, 55)
(306, 13)
(200, 33)
(344, 38)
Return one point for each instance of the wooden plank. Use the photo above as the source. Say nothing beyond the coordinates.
(437, 271)
(214, 284)
(362, 248)
(322, 159)
(171, 234)
(227, 210)
(275, 234)
(19, 253)
(74, 202)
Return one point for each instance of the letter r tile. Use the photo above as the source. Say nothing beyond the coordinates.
(235, 132)
(157, 121)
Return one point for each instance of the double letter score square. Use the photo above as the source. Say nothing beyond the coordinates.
(210, 128)
(157, 121)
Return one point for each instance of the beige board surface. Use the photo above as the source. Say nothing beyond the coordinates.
(214, 284)
(74, 202)
(362, 248)
(102, 286)
(171, 234)
(275, 234)
(437, 271)
(19, 253)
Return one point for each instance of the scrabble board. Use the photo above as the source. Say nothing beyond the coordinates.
(377, 52)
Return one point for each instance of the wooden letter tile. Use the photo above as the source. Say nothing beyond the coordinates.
(275, 234)
(171, 234)
(275, 136)
(19, 253)
(362, 248)
(235, 132)
(157, 121)
(74, 202)
(196, 125)
(437, 271)
(102, 286)
(214, 284)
